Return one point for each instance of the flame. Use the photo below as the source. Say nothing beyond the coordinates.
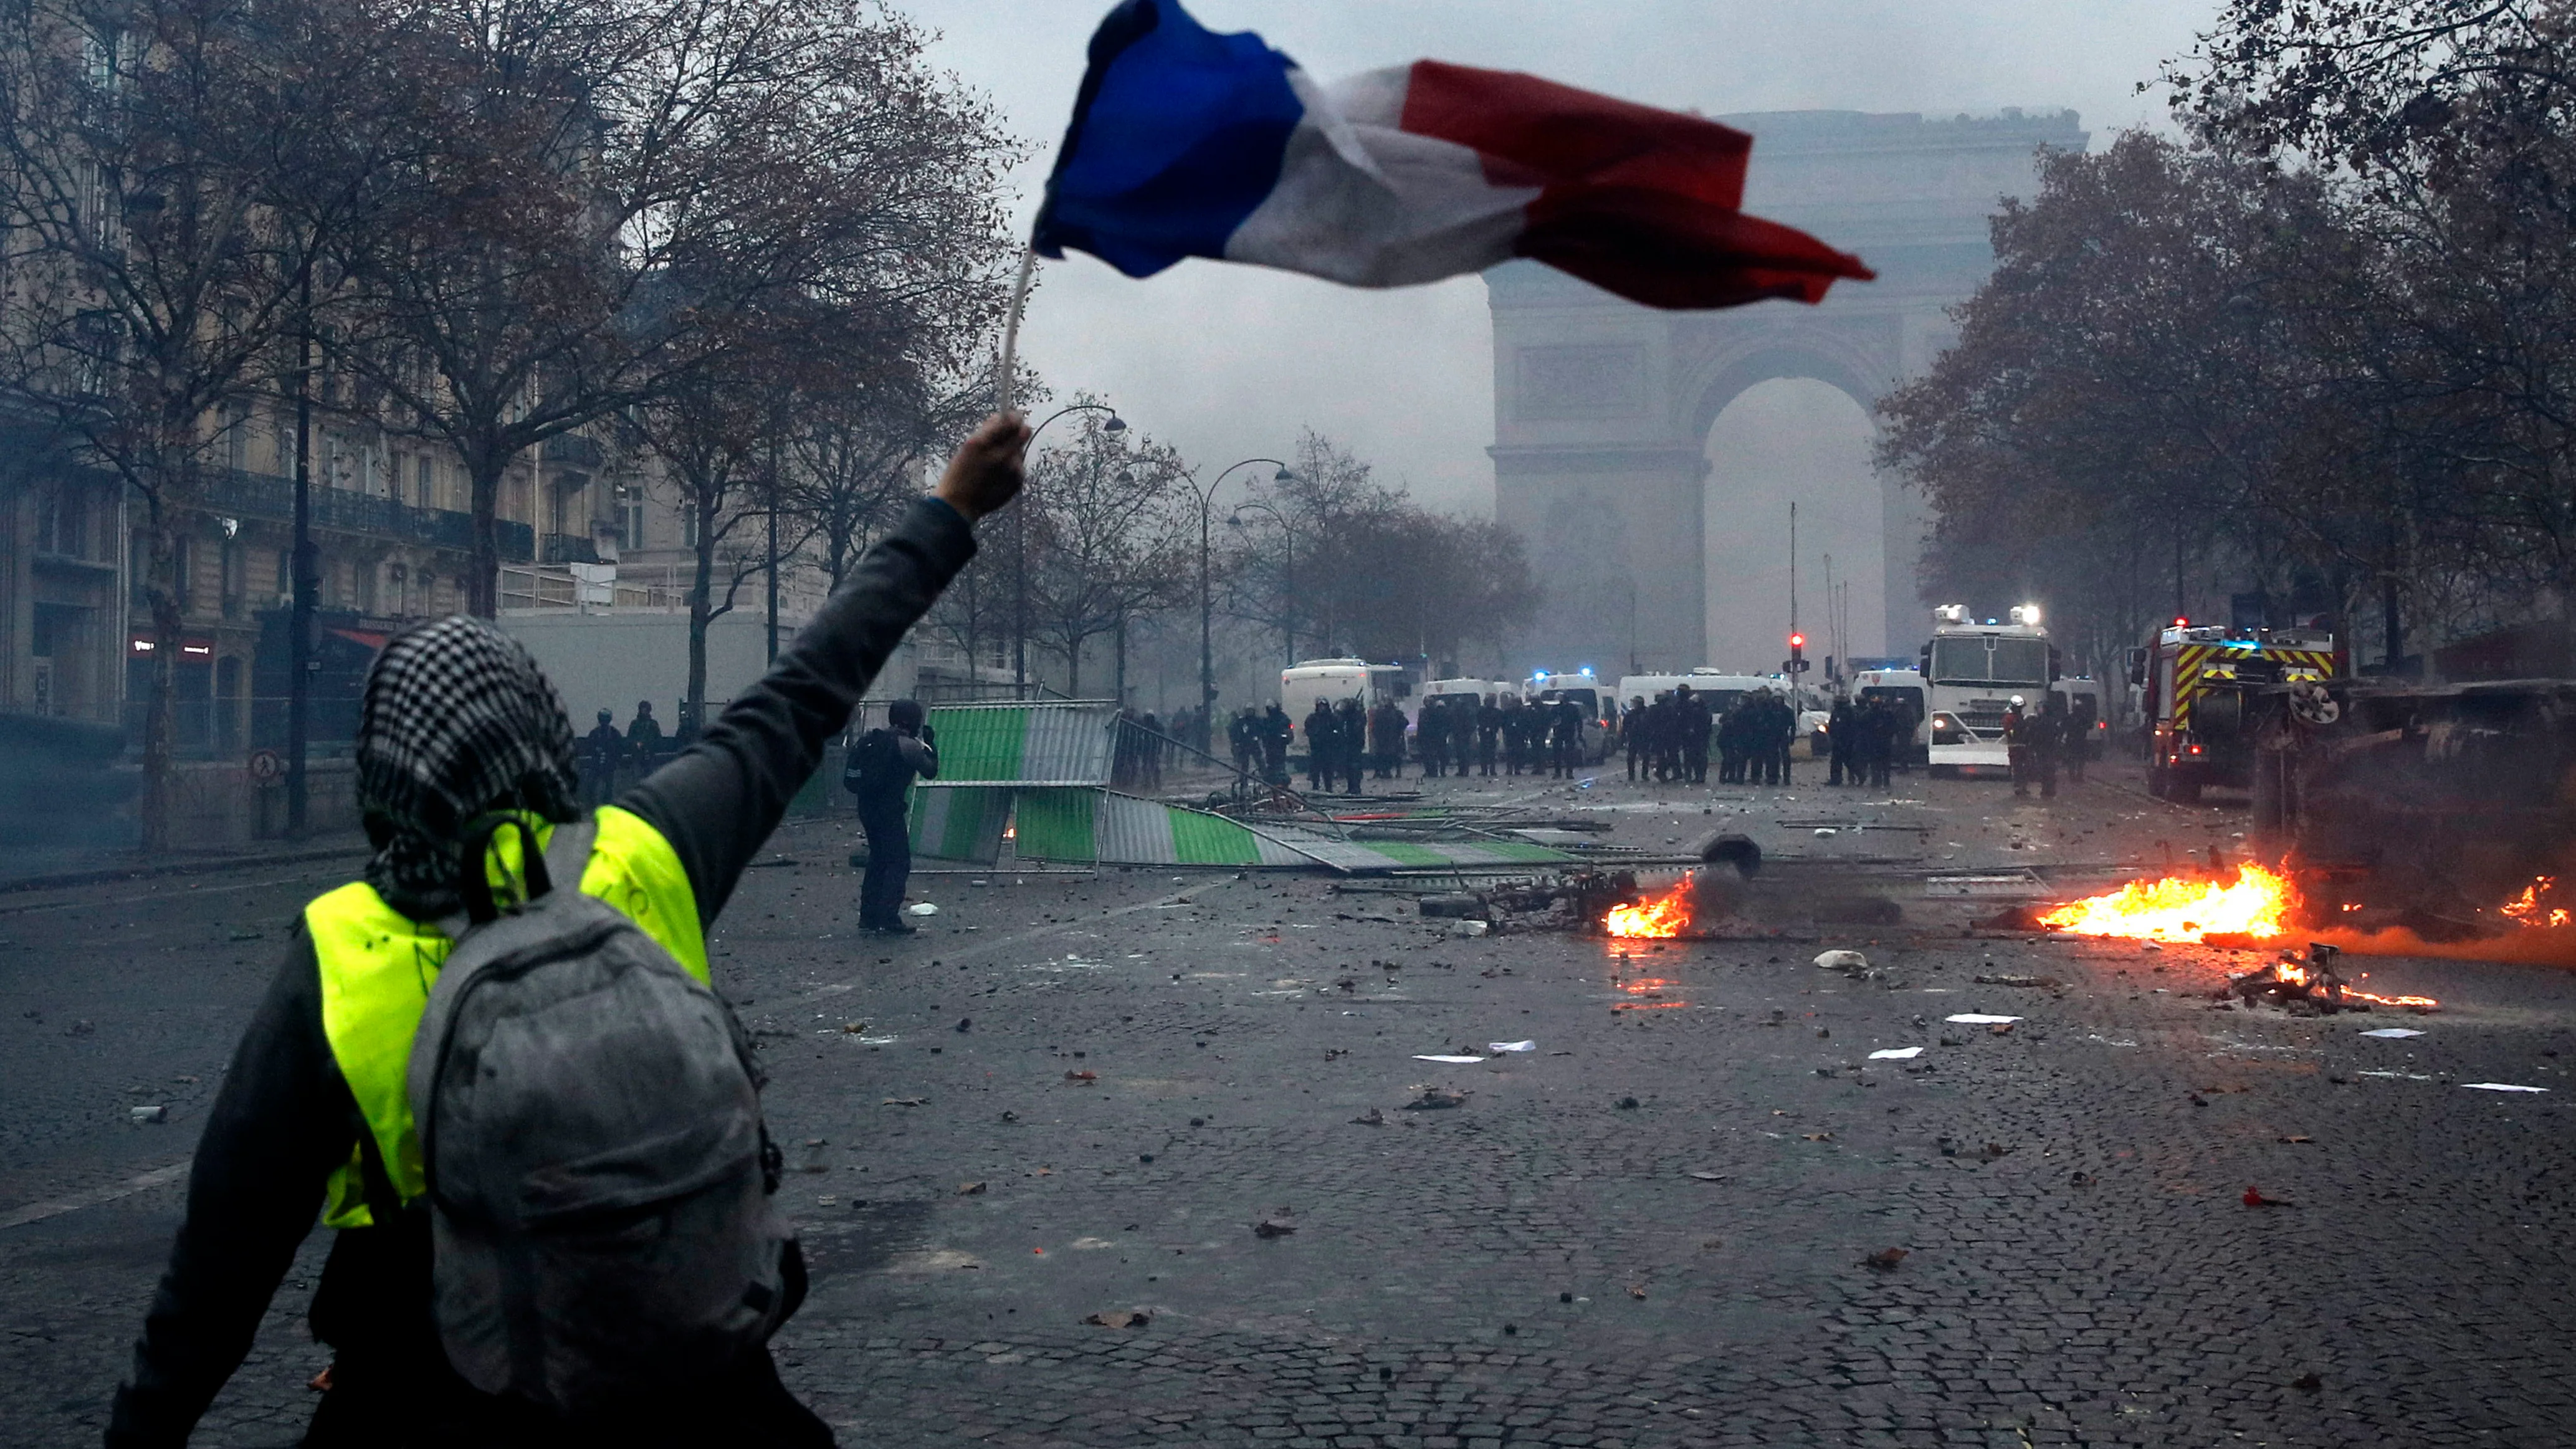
(2527, 909)
(1661, 917)
(2179, 908)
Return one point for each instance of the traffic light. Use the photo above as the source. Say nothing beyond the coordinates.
(1797, 660)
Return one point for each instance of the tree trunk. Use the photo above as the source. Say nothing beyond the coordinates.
(701, 613)
(1073, 667)
(483, 566)
(161, 592)
(1122, 662)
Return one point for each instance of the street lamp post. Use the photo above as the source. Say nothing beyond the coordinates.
(1020, 547)
(1287, 569)
(1207, 654)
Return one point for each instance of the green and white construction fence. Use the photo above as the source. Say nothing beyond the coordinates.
(1037, 776)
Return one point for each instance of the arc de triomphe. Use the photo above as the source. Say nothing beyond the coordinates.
(1602, 408)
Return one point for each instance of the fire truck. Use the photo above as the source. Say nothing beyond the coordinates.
(2196, 679)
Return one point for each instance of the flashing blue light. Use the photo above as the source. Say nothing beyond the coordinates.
(1587, 669)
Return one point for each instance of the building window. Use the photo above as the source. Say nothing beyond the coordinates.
(366, 588)
(236, 579)
(689, 525)
(630, 518)
(237, 439)
(425, 484)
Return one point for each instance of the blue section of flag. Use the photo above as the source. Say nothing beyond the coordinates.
(1177, 135)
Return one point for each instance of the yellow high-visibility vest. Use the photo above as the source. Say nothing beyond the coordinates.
(378, 965)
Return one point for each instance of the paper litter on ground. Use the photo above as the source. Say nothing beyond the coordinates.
(1511, 1046)
(1895, 1054)
(1459, 1061)
(2500, 1087)
(2394, 1031)
(1979, 1018)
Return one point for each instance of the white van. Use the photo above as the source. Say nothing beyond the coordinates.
(1905, 687)
(1300, 685)
(1593, 696)
(2088, 690)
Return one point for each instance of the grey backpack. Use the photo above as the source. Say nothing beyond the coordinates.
(599, 1178)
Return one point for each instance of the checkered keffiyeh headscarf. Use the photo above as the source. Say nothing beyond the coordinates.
(456, 720)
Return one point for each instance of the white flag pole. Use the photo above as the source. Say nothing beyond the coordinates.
(1002, 384)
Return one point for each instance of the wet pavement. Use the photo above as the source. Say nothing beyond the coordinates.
(1667, 1223)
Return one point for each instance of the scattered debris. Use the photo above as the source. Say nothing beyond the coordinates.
(1454, 906)
(2082, 1179)
(1272, 1228)
(2500, 1087)
(905, 1102)
(1704, 1176)
(965, 1022)
(1500, 1047)
(1819, 1136)
(1469, 928)
(1120, 1318)
(2040, 983)
(154, 1113)
(1434, 1099)
(853, 1028)
(1455, 1061)
(1627, 1104)
(2307, 1383)
(2390, 1033)
(2295, 1138)
(1637, 1290)
(970, 1189)
(1979, 1018)
(1886, 1259)
(1086, 1078)
(2254, 1198)
(1895, 1054)
(1842, 961)
(1370, 1118)
(922, 908)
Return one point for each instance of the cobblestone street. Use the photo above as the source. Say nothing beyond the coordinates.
(1076, 1094)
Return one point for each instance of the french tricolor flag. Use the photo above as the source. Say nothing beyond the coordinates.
(1187, 143)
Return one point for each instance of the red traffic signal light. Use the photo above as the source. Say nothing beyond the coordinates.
(1797, 641)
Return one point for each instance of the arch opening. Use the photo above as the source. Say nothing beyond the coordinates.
(1805, 439)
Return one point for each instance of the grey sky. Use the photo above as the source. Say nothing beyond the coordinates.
(1229, 361)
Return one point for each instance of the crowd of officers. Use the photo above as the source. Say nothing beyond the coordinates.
(1457, 734)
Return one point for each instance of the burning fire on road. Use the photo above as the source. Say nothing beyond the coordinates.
(1656, 918)
(2258, 903)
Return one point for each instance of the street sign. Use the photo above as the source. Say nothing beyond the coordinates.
(266, 767)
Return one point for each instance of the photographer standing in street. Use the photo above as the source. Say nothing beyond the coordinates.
(880, 773)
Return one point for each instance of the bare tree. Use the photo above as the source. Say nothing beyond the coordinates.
(612, 183)
(1112, 525)
(151, 279)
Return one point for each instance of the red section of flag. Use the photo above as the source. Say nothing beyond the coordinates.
(1637, 201)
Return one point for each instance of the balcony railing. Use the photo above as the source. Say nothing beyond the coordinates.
(572, 450)
(568, 548)
(266, 496)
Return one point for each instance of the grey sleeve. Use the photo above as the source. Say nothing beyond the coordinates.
(718, 800)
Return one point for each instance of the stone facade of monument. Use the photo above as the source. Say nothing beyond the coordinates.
(1602, 408)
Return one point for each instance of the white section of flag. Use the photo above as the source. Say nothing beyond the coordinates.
(1364, 203)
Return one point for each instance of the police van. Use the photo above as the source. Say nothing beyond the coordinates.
(1335, 680)
(1591, 695)
(1905, 689)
